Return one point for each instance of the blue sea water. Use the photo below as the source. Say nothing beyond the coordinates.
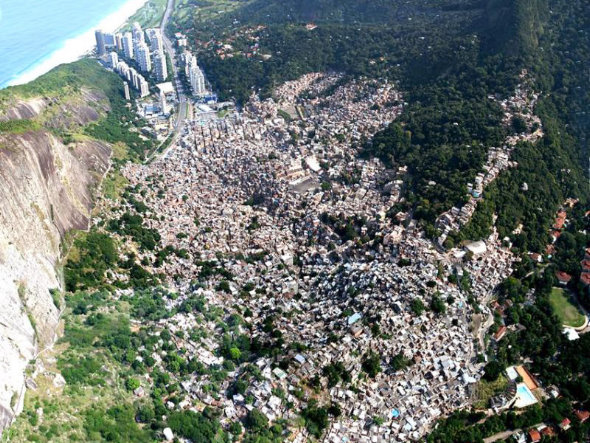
(31, 30)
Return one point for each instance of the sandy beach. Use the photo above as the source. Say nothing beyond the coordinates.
(80, 45)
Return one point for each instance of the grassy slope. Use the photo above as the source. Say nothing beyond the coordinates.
(65, 80)
(485, 390)
(91, 374)
(568, 313)
(150, 15)
(203, 12)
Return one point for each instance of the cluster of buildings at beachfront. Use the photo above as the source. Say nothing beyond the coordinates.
(139, 56)
(193, 73)
(146, 54)
(520, 105)
(277, 197)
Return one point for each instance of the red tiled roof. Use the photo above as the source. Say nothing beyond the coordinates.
(498, 335)
(534, 435)
(548, 431)
(558, 223)
(563, 276)
(582, 415)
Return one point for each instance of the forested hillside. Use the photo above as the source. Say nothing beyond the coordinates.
(396, 39)
(453, 60)
(404, 37)
(557, 58)
(352, 12)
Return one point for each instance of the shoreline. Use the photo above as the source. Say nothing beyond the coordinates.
(77, 47)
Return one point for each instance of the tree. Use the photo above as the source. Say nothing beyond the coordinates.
(165, 335)
(399, 362)
(334, 410)
(316, 418)
(335, 372)
(145, 413)
(437, 305)
(132, 384)
(235, 353)
(492, 370)
(371, 364)
(518, 124)
(223, 286)
(194, 426)
(235, 428)
(417, 306)
(256, 421)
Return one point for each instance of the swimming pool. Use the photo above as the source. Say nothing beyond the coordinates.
(524, 396)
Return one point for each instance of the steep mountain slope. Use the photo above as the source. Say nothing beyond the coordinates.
(513, 27)
(50, 175)
(47, 190)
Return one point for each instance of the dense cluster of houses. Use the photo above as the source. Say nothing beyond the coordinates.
(520, 105)
(277, 197)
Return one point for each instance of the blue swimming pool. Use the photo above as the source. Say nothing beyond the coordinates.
(525, 396)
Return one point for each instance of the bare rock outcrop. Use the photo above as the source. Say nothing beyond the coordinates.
(25, 109)
(46, 189)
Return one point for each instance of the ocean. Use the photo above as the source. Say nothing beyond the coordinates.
(37, 35)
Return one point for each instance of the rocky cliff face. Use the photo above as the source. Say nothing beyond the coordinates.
(46, 189)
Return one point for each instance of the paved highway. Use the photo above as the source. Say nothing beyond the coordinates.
(183, 103)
